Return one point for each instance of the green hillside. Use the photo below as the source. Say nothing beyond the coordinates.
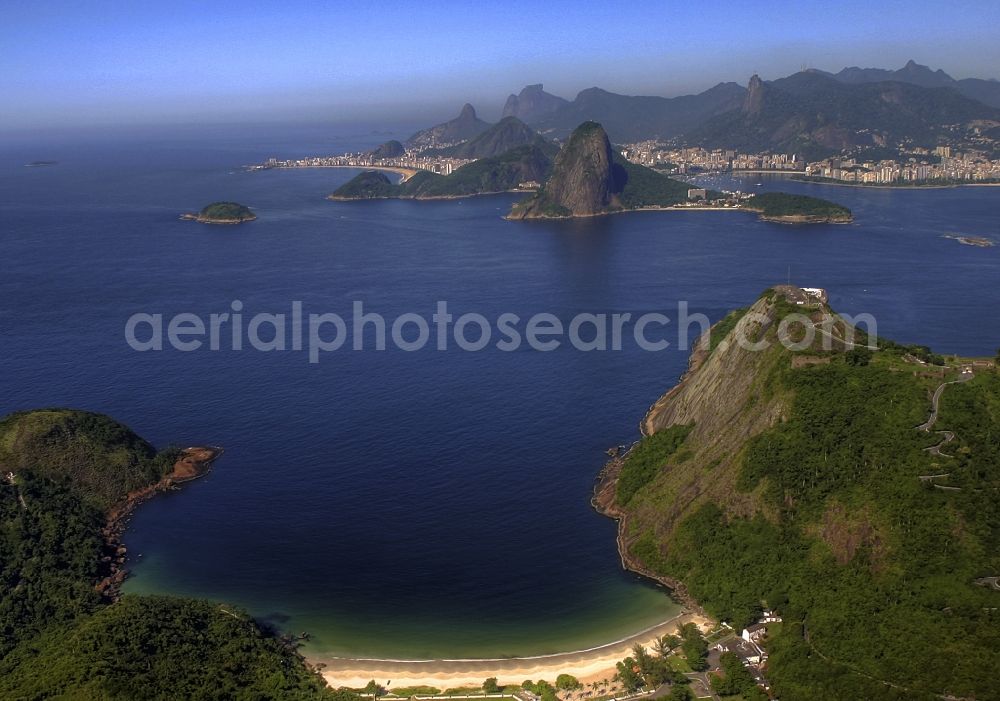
(102, 459)
(507, 134)
(60, 471)
(797, 485)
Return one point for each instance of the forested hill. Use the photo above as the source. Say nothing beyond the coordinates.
(801, 479)
(60, 472)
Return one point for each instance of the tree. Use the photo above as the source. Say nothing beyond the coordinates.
(859, 356)
(490, 686)
(545, 690)
(665, 644)
(567, 682)
(679, 692)
(735, 679)
(642, 659)
(628, 674)
(372, 688)
(694, 647)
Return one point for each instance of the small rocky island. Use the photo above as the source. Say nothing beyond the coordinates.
(222, 213)
(978, 241)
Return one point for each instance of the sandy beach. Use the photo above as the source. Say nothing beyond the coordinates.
(586, 665)
(404, 173)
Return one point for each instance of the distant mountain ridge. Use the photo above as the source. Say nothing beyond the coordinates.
(629, 118)
(625, 117)
(812, 112)
(815, 114)
(985, 91)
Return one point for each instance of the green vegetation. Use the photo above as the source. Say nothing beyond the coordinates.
(827, 519)
(720, 330)
(101, 458)
(369, 185)
(226, 212)
(736, 680)
(922, 353)
(546, 691)
(160, 648)
(646, 459)
(497, 174)
(643, 670)
(784, 205)
(490, 686)
(509, 133)
(644, 187)
(567, 682)
(464, 691)
(57, 637)
(693, 646)
(50, 557)
(407, 691)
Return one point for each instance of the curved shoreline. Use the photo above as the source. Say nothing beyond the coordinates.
(883, 186)
(589, 663)
(403, 171)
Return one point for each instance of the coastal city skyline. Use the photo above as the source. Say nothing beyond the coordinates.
(78, 65)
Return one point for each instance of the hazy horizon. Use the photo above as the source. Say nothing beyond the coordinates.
(98, 64)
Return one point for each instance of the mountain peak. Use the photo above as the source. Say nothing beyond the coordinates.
(462, 128)
(532, 103)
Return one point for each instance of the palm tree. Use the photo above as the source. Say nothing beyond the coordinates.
(662, 647)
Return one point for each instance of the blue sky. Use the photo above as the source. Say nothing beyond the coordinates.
(149, 62)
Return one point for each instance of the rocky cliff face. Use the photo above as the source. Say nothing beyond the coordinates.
(754, 99)
(532, 103)
(585, 179)
(724, 398)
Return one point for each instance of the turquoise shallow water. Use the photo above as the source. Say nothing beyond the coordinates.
(426, 504)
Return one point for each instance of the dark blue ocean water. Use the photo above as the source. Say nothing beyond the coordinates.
(409, 504)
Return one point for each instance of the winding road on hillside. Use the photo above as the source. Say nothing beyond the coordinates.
(936, 401)
(946, 436)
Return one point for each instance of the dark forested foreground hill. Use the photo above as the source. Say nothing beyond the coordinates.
(802, 480)
(60, 472)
